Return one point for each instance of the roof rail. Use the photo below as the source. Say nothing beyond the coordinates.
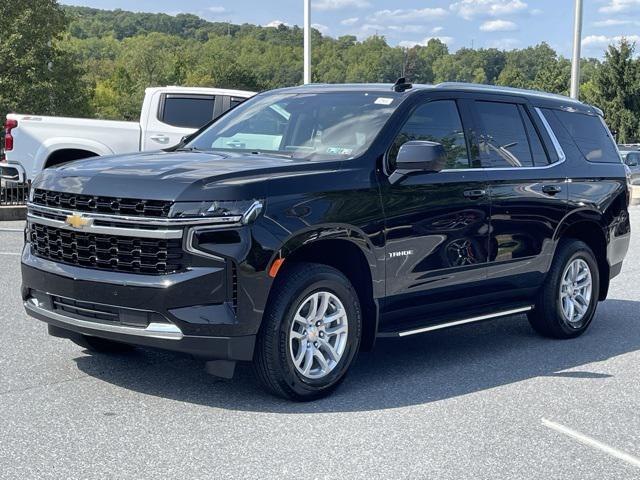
(498, 88)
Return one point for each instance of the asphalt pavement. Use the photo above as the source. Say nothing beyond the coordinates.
(484, 401)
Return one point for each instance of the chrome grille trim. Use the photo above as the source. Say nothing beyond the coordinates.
(142, 221)
(105, 230)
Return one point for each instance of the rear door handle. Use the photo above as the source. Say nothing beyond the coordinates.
(472, 194)
(551, 189)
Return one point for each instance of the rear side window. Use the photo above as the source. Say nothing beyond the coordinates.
(504, 142)
(187, 111)
(632, 159)
(590, 136)
(235, 101)
(437, 121)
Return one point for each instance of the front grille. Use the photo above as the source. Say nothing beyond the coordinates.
(107, 205)
(106, 252)
(88, 311)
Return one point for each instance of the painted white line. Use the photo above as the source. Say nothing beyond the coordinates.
(10, 253)
(614, 452)
(17, 230)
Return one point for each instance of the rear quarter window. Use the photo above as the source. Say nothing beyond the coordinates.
(590, 135)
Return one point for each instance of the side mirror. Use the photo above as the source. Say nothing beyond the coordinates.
(419, 156)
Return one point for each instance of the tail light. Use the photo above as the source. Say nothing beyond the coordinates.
(8, 138)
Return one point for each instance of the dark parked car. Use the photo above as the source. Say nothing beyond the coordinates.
(307, 222)
(631, 158)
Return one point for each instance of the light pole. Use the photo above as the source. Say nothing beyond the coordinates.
(307, 41)
(577, 39)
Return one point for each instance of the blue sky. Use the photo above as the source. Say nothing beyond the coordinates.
(482, 23)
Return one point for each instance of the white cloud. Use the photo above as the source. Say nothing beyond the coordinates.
(469, 9)
(409, 15)
(338, 4)
(612, 22)
(320, 27)
(350, 21)
(498, 26)
(410, 43)
(276, 24)
(504, 43)
(217, 9)
(602, 41)
(435, 30)
(619, 6)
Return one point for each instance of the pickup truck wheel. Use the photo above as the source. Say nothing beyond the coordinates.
(102, 345)
(310, 333)
(568, 299)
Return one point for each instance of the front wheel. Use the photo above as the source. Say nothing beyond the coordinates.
(310, 333)
(568, 299)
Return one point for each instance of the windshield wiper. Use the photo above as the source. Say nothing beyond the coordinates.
(272, 154)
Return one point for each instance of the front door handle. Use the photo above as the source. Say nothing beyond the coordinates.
(473, 194)
(551, 189)
(160, 138)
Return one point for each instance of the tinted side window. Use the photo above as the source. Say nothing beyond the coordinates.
(633, 159)
(191, 111)
(590, 135)
(235, 101)
(504, 142)
(437, 121)
(538, 151)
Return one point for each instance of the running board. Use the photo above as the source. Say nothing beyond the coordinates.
(440, 326)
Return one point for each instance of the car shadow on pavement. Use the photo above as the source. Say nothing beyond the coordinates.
(399, 372)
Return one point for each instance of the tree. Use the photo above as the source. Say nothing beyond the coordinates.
(617, 83)
(36, 75)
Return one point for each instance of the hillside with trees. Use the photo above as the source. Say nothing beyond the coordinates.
(99, 62)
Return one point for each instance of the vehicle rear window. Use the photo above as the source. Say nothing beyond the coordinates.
(191, 111)
(590, 136)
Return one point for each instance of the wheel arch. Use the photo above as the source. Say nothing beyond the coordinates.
(589, 227)
(56, 146)
(348, 253)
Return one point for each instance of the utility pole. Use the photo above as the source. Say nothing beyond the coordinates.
(577, 40)
(307, 41)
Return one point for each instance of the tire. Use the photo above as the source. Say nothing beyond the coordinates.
(102, 345)
(549, 318)
(282, 339)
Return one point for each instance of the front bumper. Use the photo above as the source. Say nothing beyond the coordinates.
(154, 311)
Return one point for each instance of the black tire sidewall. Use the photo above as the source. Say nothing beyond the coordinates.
(577, 251)
(325, 279)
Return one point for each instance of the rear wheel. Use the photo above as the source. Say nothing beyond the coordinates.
(310, 333)
(567, 302)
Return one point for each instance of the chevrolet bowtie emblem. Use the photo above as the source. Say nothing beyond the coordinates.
(77, 221)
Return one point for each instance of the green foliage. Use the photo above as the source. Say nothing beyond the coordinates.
(103, 61)
(36, 74)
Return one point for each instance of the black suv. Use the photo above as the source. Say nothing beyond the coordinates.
(309, 221)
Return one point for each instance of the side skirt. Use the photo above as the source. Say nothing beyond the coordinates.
(489, 316)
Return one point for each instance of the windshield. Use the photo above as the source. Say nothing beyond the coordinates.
(303, 125)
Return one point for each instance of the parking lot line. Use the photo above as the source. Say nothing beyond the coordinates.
(591, 442)
(18, 230)
(11, 253)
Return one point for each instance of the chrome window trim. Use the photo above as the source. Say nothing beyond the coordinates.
(104, 230)
(167, 222)
(164, 331)
(554, 140)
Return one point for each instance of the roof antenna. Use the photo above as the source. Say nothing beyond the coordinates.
(401, 85)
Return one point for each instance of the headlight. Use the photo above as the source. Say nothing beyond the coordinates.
(227, 211)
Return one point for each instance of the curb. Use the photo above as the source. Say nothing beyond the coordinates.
(13, 212)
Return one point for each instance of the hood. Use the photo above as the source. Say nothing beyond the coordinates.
(180, 176)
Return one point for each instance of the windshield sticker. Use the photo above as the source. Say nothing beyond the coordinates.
(383, 101)
(339, 151)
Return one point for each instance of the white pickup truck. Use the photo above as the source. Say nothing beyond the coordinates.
(33, 143)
